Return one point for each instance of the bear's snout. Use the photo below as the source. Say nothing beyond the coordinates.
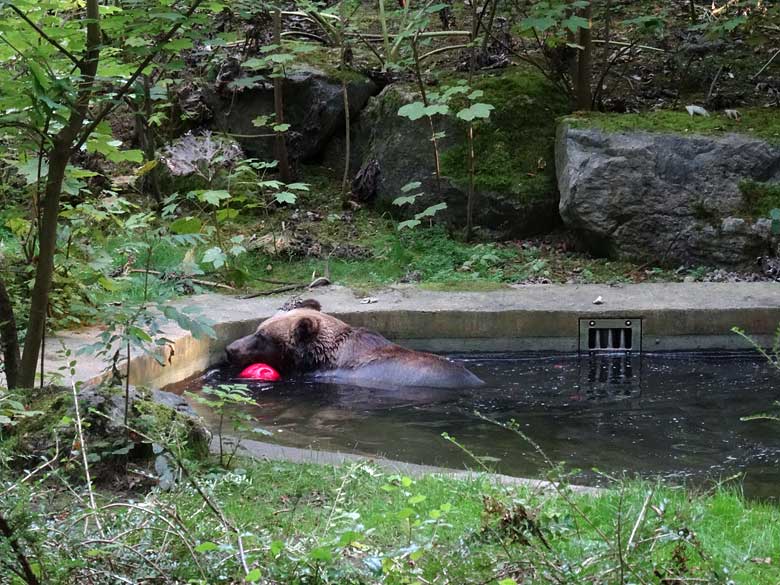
(255, 348)
(241, 351)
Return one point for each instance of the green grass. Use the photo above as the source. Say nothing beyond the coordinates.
(294, 503)
(356, 524)
(761, 123)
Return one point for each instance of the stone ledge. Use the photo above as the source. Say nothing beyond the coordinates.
(677, 316)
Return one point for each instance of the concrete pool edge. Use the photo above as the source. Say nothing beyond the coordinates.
(276, 452)
(676, 316)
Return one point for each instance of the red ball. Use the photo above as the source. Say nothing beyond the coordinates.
(262, 372)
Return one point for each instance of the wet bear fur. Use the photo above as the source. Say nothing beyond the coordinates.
(307, 341)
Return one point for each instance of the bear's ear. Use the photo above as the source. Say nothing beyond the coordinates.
(309, 304)
(306, 330)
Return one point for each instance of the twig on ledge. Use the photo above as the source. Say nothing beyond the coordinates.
(321, 281)
(182, 277)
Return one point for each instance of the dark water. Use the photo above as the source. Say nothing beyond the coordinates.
(676, 416)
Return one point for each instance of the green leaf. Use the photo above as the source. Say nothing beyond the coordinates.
(227, 213)
(321, 553)
(108, 284)
(409, 223)
(418, 499)
(478, 110)
(431, 211)
(215, 256)
(409, 186)
(434, 109)
(281, 58)
(254, 63)
(298, 186)
(137, 42)
(186, 225)
(214, 197)
(260, 121)
(117, 156)
(276, 547)
(286, 197)
(253, 576)
(407, 200)
(281, 127)
(413, 111)
(575, 23)
(206, 547)
(539, 24)
(179, 44)
(139, 334)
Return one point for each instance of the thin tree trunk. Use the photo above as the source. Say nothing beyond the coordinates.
(280, 145)
(59, 157)
(585, 63)
(347, 145)
(470, 199)
(8, 338)
(151, 180)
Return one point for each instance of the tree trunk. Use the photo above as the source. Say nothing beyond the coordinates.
(59, 156)
(280, 145)
(8, 338)
(146, 140)
(585, 63)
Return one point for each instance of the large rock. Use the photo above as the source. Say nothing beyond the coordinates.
(313, 106)
(399, 151)
(664, 198)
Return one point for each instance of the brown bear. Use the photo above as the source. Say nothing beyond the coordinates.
(307, 341)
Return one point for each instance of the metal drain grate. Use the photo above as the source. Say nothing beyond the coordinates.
(623, 334)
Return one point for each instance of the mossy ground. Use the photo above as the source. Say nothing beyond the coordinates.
(763, 123)
(515, 147)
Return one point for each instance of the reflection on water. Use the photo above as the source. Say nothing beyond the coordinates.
(670, 415)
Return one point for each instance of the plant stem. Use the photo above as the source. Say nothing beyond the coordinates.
(85, 460)
(424, 94)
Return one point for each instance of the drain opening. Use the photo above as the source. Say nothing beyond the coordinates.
(611, 335)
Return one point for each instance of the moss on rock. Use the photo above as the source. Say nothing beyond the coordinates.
(515, 147)
(763, 123)
(759, 198)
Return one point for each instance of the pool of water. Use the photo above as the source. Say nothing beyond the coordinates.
(676, 416)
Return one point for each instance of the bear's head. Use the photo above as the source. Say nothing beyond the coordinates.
(296, 341)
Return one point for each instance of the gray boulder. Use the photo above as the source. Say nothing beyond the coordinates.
(665, 198)
(399, 151)
(313, 106)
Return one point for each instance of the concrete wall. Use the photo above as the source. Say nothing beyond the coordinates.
(541, 317)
